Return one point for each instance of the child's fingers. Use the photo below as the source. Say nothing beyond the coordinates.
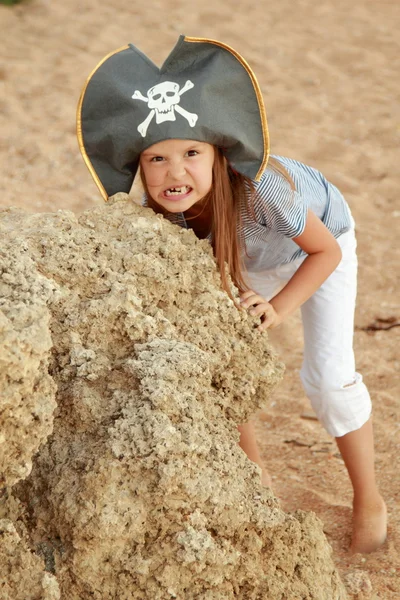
(267, 322)
(251, 299)
(257, 306)
(247, 300)
(268, 315)
(246, 295)
(264, 326)
(259, 309)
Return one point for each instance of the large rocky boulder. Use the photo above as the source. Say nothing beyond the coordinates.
(27, 404)
(27, 392)
(141, 490)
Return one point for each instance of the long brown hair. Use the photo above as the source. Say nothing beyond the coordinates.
(231, 195)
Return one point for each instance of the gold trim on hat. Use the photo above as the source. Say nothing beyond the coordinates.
(79, 125)
(260, 100)
(264, 125)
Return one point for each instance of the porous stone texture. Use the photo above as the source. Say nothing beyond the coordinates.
(27, 405)
(141, 491)
(358, 585)
(26, 390)
(22, 576)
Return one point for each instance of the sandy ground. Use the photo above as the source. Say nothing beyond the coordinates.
(329, 72)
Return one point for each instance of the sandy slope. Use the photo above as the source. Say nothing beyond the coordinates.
(329, 74)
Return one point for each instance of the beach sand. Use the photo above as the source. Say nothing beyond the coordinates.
(329, 73)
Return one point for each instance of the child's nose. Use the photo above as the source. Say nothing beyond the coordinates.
(177, 170)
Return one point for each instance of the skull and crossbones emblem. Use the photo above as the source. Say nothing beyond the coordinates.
(163, 100)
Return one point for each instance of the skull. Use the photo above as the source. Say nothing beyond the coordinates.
(163, 97)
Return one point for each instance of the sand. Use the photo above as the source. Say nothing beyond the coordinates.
(329, 75)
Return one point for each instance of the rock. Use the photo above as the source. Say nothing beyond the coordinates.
(26, 390)
(358, 585)
(141, 491)
(22, 575)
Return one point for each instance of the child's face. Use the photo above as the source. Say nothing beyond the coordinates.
(178, 173)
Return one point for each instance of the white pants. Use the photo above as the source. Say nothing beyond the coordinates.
(336, 391)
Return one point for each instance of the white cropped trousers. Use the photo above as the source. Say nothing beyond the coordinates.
(337, 393)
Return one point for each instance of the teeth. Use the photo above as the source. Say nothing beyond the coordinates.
(177, 190)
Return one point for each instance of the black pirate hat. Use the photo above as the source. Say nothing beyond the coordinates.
(204, 91)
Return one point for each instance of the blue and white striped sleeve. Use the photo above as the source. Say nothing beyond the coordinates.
(278, 207)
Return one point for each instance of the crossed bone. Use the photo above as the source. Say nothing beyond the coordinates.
(190, 117)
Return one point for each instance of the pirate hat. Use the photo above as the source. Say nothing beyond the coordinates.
(204, 91)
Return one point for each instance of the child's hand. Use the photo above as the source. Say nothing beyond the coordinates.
(257, 306)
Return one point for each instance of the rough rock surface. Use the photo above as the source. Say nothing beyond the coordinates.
(22, 576)
(141, 491)
(358, 585)
(27, 405)
(26, 390)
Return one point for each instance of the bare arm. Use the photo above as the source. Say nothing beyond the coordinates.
(324, 254)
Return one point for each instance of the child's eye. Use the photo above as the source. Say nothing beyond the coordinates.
(192, 152)
(157, 159)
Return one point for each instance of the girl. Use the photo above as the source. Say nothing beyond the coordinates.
(197, 129)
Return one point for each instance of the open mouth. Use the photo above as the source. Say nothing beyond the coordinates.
(177, 191)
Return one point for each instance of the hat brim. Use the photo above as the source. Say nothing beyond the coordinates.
(119, 112)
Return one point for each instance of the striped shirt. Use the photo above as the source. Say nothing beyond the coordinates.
(280, 214)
